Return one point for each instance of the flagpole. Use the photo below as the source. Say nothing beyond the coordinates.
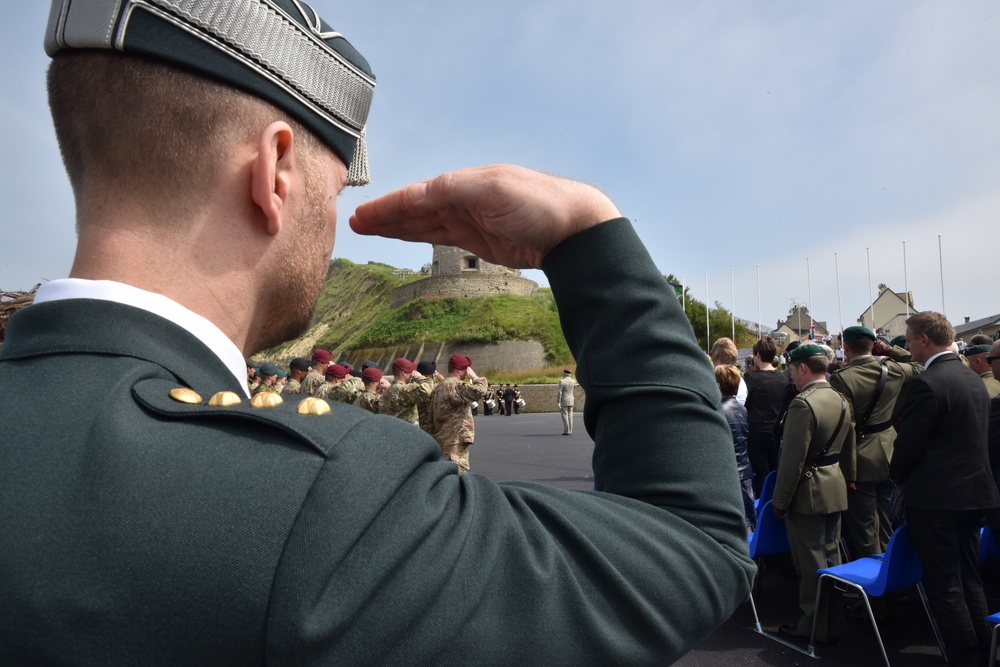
(760, 329)
(840, 307)
(812, 317)
(707, 334)
(906, 286)
(683, 295)
(732, 297)
(941, 262)
(870, 299)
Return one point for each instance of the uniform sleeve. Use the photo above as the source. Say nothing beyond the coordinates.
(395, 559)
(798, 436)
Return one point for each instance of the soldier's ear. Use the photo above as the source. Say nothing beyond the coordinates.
(271, 173)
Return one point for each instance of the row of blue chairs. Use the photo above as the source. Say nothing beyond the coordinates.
(873, 576)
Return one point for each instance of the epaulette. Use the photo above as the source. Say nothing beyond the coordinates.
(312, 420)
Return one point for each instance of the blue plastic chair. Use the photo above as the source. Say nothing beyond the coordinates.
(770, 538)
(874, 576)
(995, 620)
(987, 546)
(766, 490)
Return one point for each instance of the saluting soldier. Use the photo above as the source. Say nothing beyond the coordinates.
(344, 389)
(400, 399)
(429, 370)
(369, 398)
(297, 371)
(815, 466)
(316, 376)
(451, 406)
(268, 379)
(872, 387)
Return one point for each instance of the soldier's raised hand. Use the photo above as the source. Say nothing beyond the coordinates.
(505, 214)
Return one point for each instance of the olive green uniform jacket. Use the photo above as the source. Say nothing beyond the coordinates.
(857, 383)
(135, 529)
(802, 486)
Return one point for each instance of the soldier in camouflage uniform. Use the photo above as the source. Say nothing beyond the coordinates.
(431, 376)
(369, 398)
(268, 379)
(321, 360)
(451, 407)
(297, 371)
(353, 384)
(347, 389)
(400, 399)
(335, 375)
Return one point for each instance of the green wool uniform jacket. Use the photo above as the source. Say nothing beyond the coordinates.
(857, 383)
(802, 486)
(135, 529)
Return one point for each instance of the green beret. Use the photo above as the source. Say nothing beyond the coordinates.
(977, 349)
(899, 341)
(857, 333)
(806, 351)
(268, 368)
(282, 374)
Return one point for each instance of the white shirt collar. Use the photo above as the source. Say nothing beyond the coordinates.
(110, 290)
(927, 364)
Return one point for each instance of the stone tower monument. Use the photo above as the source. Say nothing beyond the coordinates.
(456, 272)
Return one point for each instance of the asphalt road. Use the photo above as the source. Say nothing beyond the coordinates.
(530, 447)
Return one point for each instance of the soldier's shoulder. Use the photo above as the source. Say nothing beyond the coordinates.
(311, 421)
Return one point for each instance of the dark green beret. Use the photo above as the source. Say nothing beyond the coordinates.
(280, 51)
(858, 333)
(899, 341)
(806, 351)
(268, 368)
(977, 349)
(282, 374)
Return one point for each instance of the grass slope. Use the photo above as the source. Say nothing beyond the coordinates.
(353, 311)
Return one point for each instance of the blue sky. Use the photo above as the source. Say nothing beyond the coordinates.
(734, 134)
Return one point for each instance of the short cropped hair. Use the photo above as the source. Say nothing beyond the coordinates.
(765, 350)
(933, 325)
(817, 364)
(131, 124)
(728, 377)
(724, 352)
(859, 346)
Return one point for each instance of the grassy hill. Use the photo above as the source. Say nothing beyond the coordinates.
(353, 311)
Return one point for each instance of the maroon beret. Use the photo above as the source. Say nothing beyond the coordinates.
(459, 362)
(371, 374)
(337, 371)
(405, 365)
(322, 356)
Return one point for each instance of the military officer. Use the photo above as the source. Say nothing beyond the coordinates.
(297, 371)
(400, 399)
(346, 389)
(451, 406)
(871, 387)
(335, 376)
(977, 356)
(321, 360)
(815, 466)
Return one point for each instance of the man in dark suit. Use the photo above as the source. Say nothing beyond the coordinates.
(941, 459)
(150, 516)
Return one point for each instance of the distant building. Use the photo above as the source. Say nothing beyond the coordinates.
(890, 310)
(989, 326)
(799, 324)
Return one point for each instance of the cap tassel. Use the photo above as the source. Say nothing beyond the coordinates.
(358, 173)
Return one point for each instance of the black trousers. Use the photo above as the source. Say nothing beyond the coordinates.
(763, 457)
(947, 544)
